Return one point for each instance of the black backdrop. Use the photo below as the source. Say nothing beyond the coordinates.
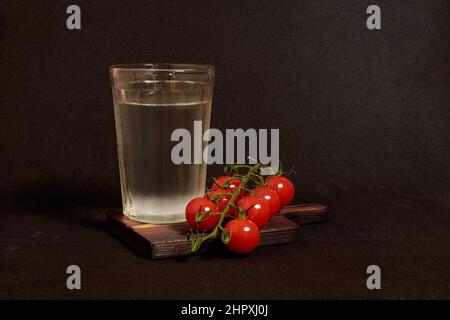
(354, 106)
(357, 110)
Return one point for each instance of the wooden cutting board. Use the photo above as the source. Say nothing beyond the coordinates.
(158, 241)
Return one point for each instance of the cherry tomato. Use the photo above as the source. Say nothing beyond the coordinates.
(203, 205)
(219, 183)
(283, 187)
(222, 201)
(258, 210)
(232, 185)
(272, 198)
(244, 235)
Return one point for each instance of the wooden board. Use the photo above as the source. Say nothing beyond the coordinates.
(170, 240)
(305, 213)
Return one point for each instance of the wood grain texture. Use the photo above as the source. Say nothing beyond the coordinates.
(306, 213)
(170, 240)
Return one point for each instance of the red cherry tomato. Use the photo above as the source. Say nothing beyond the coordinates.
(272, 198)
(283, 187)
(258, 210)
(222, 200)
(203, 205)
(232, 185)
(219, 183)
(244, 235)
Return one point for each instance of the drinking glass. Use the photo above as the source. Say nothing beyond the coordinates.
(150, 102)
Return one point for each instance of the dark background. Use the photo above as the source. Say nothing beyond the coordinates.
(363, 116)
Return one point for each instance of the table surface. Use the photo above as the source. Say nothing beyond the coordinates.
(406, 235)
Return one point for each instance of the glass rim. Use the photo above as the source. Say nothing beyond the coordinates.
(164, 67)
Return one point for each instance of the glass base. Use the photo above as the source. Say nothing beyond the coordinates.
(157, 219)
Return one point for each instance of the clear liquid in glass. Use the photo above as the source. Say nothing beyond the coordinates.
(154, 189)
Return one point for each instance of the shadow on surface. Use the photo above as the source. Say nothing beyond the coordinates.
(63, 203)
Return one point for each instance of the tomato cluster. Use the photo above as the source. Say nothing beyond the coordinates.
(248, 209)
